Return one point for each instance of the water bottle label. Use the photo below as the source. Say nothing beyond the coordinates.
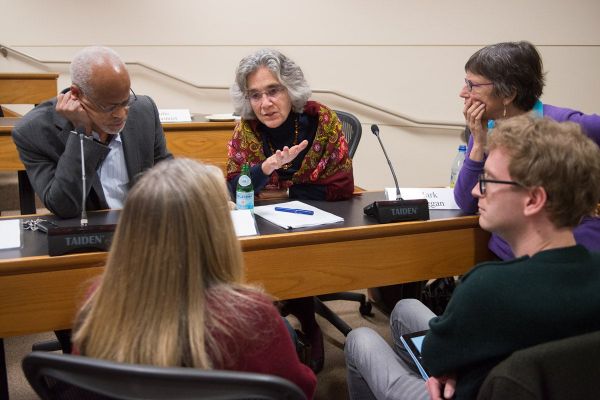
(244, 200)
(453, 176)
(244, 180)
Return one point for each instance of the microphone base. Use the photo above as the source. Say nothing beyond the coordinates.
(398, 210)
(79, 239)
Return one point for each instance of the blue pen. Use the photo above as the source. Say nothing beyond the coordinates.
(294, 210)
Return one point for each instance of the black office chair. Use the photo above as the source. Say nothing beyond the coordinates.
(64, 376)
(352, 131)
(560, 369)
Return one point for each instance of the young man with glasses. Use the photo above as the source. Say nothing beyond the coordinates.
(123, 135)
(538, 183)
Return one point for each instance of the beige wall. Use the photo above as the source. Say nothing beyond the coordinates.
(400, 55)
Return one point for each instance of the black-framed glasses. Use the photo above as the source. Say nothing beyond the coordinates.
(112, 108)
(483, 183)
(470, 84)
(272, 92)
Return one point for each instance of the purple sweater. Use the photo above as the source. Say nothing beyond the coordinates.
(587, 233)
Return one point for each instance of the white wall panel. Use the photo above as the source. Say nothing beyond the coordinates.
(400, 55)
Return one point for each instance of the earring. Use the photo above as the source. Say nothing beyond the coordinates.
(504, 114)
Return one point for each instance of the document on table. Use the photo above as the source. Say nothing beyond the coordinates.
(289, 220)
(243, 222)
(10, 234)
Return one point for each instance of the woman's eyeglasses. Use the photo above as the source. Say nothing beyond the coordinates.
(483, 183)
(272, 92)
(470, 84)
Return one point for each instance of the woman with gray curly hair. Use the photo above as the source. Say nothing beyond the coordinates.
(291, 144)
(294, 147)
(504, 80)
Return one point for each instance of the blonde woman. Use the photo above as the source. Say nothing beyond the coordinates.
(172, 292)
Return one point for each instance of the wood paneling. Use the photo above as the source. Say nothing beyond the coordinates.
(205, 141)
(17, 88)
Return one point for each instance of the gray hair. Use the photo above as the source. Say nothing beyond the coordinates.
(516, 68)
(287, 72)
(84, 61)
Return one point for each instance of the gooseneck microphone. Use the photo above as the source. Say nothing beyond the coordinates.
(399, 209)
(82, 237)
(375, 130)
(84, 220)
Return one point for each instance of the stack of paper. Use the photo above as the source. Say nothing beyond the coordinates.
(290, 220)
(243, 222)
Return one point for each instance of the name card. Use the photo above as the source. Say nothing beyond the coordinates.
(10, 234)
(243, 222)
(174, 115)
(438, 198)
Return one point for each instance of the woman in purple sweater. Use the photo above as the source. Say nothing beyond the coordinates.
(504, 80)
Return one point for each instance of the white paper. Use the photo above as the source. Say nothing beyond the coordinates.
(10, 234)
(289, 220)
(438, 198)
(243, 222)
(174, 115)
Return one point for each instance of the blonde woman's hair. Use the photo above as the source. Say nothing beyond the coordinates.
(174, 258)
(556, 156)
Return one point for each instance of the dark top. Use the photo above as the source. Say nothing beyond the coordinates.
(279, 137)
(501, 307)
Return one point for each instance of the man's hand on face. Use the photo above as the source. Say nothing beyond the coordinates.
(70, 107)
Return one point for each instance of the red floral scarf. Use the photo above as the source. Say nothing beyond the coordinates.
(327, 161)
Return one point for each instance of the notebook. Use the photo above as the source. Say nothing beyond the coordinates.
(289, 220)
(412, 343)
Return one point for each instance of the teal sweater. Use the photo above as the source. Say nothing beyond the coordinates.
(501, 307)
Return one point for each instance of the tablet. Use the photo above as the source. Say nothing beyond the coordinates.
(412, 342)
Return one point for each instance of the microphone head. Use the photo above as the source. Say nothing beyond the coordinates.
(375, 129)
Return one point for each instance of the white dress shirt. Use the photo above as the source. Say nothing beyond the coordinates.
(113, 173)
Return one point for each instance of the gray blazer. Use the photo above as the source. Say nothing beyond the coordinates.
(52, 155)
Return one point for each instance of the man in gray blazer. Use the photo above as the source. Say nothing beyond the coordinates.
(123, 137)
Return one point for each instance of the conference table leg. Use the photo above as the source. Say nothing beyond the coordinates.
(3, 373)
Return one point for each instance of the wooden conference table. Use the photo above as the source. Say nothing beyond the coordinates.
(40, 293)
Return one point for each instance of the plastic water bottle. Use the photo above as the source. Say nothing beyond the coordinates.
(457, 164)
(244, 192)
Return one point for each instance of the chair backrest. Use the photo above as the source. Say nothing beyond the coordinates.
(352, 130)
(562, 369)
(64, 376)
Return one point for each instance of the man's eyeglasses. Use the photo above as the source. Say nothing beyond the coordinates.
(471, 85)
(112, 108)
(272, 92)
(483, 183)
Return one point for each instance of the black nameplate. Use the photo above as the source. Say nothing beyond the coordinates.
(79, 239)
(398, 210)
